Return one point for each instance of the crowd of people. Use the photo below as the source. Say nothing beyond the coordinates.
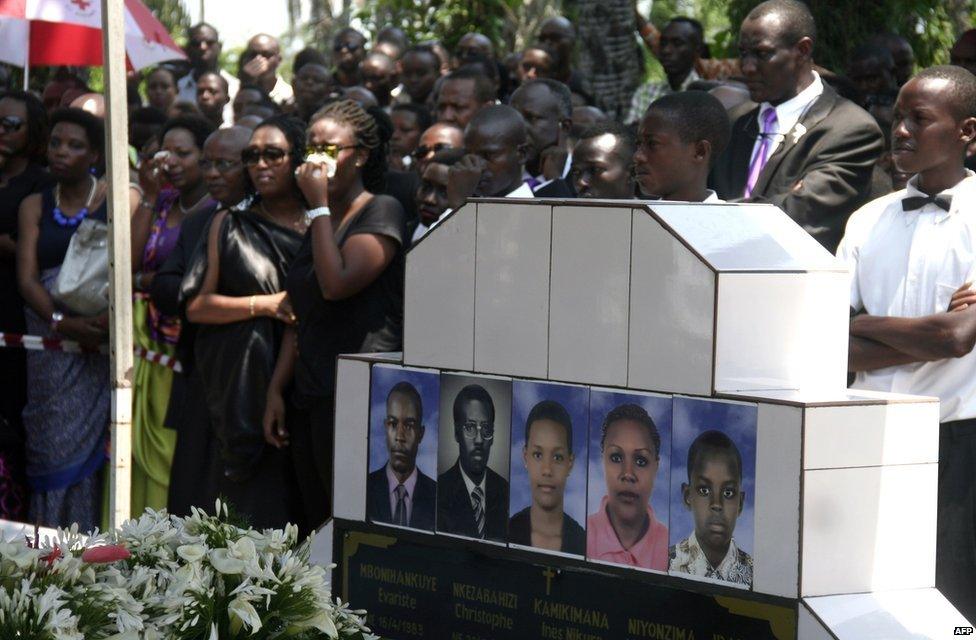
(270, 223)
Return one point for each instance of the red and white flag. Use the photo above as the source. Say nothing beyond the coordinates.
(69, 32)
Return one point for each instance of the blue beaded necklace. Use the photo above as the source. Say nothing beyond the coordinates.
(76, 219)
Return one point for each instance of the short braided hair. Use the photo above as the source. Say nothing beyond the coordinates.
(372, 128)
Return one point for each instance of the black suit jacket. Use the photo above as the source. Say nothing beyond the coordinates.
(165, 293)
(378, 499)
(558, 188)
(818, 176)
(454, 511)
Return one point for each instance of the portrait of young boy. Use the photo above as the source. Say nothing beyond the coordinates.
(712, 491)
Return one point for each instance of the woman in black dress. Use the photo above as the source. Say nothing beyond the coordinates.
(346, 286)
(239, 302)
(23, 144)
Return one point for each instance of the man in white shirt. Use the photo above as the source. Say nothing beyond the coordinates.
(259, 65)
(677, 140)
(203, 48)
(912, 256)
(496, 144)
(804, 148)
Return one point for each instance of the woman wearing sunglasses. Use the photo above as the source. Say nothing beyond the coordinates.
(23, 143)
(67, 412)
(156, 227)
(235, 287)
(346, 285)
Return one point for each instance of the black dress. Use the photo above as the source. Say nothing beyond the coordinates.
(235, 362)
(187, 411)
(370, 321)
(13, 368)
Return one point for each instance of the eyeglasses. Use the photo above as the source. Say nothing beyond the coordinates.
(272, 156)
(471, 428)
(9, 124)
(424, 151)
(331, 150)
(222, 165)
(347, 46)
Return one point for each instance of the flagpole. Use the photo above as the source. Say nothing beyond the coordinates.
(27, 60)
(120, 262)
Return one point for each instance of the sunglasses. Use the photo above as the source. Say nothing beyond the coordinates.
(222, 165)
(346, 46)
(273, 156)
(9, 124)
(423, 151)
(331, 150)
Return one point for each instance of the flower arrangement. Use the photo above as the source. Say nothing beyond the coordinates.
(163, 577)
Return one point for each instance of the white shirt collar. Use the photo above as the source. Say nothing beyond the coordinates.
(469, 483)
(523, 191)
(393, 482)
(541, 180)
(712, 197)
(788, 113)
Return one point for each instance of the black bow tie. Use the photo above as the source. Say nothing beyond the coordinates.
(917, 202)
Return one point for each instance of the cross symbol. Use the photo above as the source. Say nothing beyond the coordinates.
(82, 4)
(549, 575)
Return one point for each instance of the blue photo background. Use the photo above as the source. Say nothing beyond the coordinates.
(659, 408)
(692, 417)
(427, 384)
(575, 400)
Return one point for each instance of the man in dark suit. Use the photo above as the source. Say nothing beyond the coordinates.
(546, 105)
(399, 492)
(472, 500)
(804, 148)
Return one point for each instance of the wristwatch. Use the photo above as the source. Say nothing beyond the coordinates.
(317, 212)
(56, 318)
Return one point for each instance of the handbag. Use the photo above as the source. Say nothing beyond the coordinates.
(82, 284)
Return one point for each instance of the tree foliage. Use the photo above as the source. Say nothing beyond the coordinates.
(842, 25)
(173, 16)
(447, 20)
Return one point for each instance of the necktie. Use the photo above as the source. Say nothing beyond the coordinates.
(478, 498)
(533, 183)
(400, 515)
(762, 153)
(917, 202)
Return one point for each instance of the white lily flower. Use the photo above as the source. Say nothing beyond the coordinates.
(243, 611)
(192, 552)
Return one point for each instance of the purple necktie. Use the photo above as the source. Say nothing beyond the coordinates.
(762, 153)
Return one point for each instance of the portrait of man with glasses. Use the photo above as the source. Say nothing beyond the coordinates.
(472, 494)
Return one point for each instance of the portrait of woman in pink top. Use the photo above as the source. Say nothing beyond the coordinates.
(624, 529)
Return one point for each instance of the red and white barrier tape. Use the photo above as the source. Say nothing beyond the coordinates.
(39, 343)
(161, 359)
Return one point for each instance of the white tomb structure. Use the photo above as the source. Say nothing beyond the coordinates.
(728, 301)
